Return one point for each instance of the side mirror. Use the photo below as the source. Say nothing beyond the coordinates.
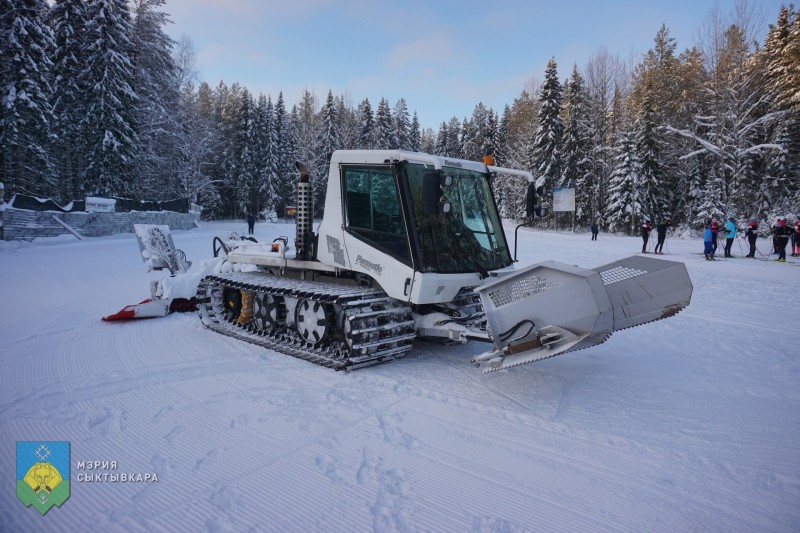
(530, 200)
(430, 193)
(432, 183)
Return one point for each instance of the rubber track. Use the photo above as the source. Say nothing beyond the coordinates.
(382, 328)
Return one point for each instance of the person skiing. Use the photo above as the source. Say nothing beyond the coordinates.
(730, 234)
(781, 231)
(796, 239)
(752, 235)
(251, 222)
(646, 229)
(708, 249)
(594, 229)
(714, 232)
(661, 231)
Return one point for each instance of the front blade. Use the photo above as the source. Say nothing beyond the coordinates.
(553, 308)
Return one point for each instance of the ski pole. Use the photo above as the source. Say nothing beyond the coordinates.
(741, 249)
(766, 258)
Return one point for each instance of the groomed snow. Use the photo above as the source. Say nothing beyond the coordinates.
(687, 424)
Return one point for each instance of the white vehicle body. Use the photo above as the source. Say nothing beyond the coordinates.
(424, 231)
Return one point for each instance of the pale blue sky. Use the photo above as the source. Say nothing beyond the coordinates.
(442, 56)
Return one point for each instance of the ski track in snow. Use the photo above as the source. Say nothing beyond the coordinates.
(692, 423)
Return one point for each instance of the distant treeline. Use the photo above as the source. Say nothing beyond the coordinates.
(98, 101)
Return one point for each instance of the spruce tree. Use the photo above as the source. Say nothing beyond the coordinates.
(624, 207)
(108, 126)
(349, 124)
(441, 140)
(246, 173)
(27, 117)
(414, 136)
(402, 125)
(157, 107)
(577, 159)
(329, 122)
(267, 162)
(385, 137)
(68, 19)
(197, 145)
(653, 199)
(711, 204)
(366, 136)
(284, 156)
(546, 148)
(453, 143)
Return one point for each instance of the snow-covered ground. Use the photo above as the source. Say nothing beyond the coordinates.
(687, 424)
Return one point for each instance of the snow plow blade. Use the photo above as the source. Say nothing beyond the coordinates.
(144, 309)
(552, 308)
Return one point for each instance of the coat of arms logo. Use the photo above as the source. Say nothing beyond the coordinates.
(43, 473)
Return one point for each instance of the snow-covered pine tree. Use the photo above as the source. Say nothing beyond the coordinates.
(67, 18)
(492, 134)
(329, 139)
(414, 134)
(349, 126)
(624, 208)
(157, 108)
(687, 172)
(478, 132)
(546, 148)
(284, 155)
(366, 136)
(266, 143)
(385, 137)
(108, 125)
(578, 150)
(711, 204)
(248, 187)
(427, 141)
(453, 143)
(606, 79)
(652, 191)
(520, 123)
(467, 141)
(777, 190)
(792, 53)
(329, 122)
(309, 134)
(402, 125)
(657, 100)
(779, 62)
(691, 195)
(226, 114)
(27, 117)
(441, 140)
(732, 132)
(197, 145)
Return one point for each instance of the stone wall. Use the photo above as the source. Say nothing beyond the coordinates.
(25, 224)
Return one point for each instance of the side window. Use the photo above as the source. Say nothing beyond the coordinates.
(372, 209)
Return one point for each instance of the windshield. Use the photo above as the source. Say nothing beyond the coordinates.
(468, 238)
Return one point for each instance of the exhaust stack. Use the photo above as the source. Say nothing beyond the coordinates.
(305, 214)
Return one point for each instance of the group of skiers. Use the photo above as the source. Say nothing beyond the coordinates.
(661, 232)
(710, 237)
(781, 234)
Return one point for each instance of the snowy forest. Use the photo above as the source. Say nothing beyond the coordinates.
(97, 100)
